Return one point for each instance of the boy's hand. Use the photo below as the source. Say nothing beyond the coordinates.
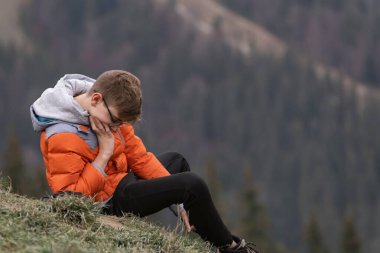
(185, 219)
(105, 138)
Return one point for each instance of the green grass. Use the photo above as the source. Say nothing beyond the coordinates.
(72, 224)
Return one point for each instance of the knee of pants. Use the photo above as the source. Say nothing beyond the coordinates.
(184, 165)
(196, 184)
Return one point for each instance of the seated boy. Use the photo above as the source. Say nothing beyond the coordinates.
(89, 146)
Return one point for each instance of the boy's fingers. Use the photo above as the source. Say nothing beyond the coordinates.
(96, 127)
(185, 220)
(99, 126)
(187, 225)
(106, 128)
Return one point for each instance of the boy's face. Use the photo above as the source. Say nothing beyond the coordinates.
(115, 121)
(105, 113)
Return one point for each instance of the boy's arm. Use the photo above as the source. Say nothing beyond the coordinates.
(143, 163)
(68, 169)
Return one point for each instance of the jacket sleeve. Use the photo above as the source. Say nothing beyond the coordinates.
(68, 169)
(141, 162)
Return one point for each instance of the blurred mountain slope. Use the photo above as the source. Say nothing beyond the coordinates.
(339, 33)
(10, 31)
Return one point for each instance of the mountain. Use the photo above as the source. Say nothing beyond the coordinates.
(9, 29)
(210, 19)
(338, 33)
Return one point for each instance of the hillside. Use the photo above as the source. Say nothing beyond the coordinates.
(211, 19)
(339, 33)
(10, 31)
(71, 224)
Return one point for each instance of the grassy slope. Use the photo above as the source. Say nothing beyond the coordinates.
(70, 224)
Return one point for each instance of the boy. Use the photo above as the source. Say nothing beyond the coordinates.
(89, 146)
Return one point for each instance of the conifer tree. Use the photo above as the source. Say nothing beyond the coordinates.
(350, 238)
(314, 237)
(38, 186)
(212, 179)
(214, 184)
(254, 220)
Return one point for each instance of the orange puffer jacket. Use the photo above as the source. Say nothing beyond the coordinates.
(69, 150)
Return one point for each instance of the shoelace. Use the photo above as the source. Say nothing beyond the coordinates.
(247, 247)
(251, 247)
(244, 247)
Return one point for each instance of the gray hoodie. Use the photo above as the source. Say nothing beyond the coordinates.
(57, 104)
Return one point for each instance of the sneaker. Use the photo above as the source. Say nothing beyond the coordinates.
(241, 247)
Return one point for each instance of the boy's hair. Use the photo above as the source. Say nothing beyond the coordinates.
(121, 90)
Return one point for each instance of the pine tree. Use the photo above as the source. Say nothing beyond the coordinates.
(254, 220)
(314, 237)
(38, 186)
(214, 185)
(212, 179)
(14, 166)
(350, 239)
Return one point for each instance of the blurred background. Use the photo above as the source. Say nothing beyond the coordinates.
(275, 103)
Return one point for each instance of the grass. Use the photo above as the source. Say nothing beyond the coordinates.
(73, 224)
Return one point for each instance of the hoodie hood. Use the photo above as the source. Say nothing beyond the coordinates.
(57, 105)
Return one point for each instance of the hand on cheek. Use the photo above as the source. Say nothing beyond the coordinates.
(97, 125)
(104, 135)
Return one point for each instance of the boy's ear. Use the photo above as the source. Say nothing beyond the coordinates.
(96, 98)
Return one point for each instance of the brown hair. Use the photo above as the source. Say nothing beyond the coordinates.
(121, 90)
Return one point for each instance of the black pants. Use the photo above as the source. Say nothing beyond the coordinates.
(145, 197)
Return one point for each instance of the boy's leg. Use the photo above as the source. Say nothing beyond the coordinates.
(144, 197)
(173, 162)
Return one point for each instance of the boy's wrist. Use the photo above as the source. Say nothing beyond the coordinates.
(101, 160)
(104, 156)
(99, 168)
